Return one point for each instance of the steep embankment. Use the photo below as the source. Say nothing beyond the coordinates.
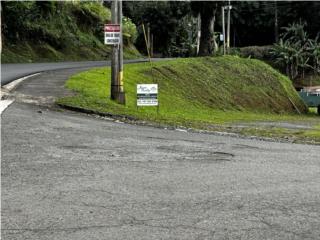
(230, 83)
(36, 31)
(194, 90)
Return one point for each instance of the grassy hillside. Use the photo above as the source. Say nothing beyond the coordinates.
(194, 91)
(37, 31)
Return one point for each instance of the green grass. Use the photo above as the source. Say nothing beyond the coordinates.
(295, 135)
(196, 92)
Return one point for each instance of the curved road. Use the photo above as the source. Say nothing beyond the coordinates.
(67, 175)
(10, 72)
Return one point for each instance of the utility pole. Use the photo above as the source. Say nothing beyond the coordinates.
(228, 28)
(198, 32)
(223, 30)
(115, 54)
(121, 92)
(117, 91)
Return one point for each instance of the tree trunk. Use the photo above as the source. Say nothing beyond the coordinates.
(205, 48)
(206, 10)
(215, 45)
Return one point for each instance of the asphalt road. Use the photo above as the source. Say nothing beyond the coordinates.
(67, 175)
(10, 72)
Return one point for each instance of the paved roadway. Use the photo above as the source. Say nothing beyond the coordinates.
(67, 175)
(10, 72)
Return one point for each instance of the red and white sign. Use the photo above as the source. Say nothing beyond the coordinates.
(112, 27)
(112, 34)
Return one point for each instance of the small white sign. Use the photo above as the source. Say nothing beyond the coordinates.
(221, 37)
(147, 94)
(111, 38)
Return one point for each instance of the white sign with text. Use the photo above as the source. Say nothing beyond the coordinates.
(147, 94)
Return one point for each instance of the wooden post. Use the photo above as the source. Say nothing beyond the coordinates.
(151, 47)
(148, 36)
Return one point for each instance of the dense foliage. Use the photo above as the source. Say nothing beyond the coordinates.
(59, 23)
(297, 52)
(53, 30)
(163, 18)
(173, 24)
(253, 23)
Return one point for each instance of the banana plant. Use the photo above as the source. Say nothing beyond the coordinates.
(314, 52)
(297, 52)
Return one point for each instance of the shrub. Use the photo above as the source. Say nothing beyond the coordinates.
(129, 30)
(314, 50)
(92, 13)
(297, 52)
(257, 52)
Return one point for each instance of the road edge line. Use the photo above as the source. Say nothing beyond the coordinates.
(12, 85)
(4, 104)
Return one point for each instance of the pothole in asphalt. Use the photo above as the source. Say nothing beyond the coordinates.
(203, 160)
(207, 156)
(244, 146)
(172, 148)
(223, 154)
(197, 154)
(76, 147)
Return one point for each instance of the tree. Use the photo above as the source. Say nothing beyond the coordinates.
(207, 11)
(163, 18)
(254, 21)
